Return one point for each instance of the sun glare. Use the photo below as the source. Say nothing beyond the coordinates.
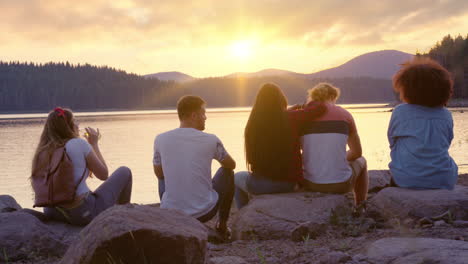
(242, 50)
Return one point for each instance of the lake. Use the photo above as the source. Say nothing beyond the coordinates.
(127, 139)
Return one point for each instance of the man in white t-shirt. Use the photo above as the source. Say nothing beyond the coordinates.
(182, 163)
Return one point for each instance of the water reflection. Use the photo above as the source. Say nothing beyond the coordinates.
(128, 140)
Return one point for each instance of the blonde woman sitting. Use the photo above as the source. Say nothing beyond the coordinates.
(328, 167)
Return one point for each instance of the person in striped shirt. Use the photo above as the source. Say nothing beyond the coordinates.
(328, 166)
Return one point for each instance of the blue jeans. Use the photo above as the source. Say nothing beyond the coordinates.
(117, 189)
(223, 184)
(247, 183)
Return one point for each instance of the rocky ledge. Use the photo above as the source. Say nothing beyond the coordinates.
(399, 226)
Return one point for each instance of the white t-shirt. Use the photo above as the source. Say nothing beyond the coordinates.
(77, 150)
(186, 155)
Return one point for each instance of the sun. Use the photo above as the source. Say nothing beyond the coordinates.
(242, 50)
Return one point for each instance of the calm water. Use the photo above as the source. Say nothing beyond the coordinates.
(128, 140)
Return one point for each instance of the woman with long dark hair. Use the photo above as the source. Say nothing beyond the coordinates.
(272, 148)
(61, 130)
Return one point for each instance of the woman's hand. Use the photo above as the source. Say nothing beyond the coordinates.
(295, 107)
(92, 135)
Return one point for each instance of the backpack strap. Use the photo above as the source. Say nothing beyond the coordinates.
(82, 176)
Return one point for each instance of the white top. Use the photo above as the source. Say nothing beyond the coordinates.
(77, 150)
(186, 155)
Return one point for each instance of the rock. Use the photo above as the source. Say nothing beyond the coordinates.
(227, 260)
(460, 224)
(440, 223)
(406, 203)
(425, 221)
(140, 234)
(67, 233)
(359, 258)
(378, 179)
(446, 215)
(277, 216)
(408, 222)
(417, 250)
(335, 257)
(8, 203)
(215, 247)
(23, 236)
(308, 230)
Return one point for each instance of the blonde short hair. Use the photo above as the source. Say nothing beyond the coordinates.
(323, 92)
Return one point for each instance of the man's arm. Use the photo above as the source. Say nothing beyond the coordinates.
(223, 157)
(158, 171)
(228, 163)
(157, 163)
(355, 148)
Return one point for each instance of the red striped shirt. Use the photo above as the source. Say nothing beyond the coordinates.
(297, 118)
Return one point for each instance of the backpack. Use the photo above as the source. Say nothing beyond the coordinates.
(53, 184)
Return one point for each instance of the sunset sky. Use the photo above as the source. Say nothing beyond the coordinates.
(216, 37)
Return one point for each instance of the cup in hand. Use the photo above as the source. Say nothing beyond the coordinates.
(92, 135)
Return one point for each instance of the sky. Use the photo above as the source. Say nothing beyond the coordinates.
(206, 38)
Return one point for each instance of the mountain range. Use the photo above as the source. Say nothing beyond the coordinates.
(378, 64)
(171, 76)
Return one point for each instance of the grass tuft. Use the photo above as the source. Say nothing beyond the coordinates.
(5, 256)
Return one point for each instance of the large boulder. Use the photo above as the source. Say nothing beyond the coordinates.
(23, 236)
(8, 203)
(140, 234)
(417, 250)
(404, 203)
(66, 232)
(282, 216)
(378, 179)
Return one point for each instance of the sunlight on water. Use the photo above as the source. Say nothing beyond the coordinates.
(122, 113)
(128, 140)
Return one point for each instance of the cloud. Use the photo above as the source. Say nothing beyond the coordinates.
(208, 19)
(158, 26)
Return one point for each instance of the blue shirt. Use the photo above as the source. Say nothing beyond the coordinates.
(419, 140)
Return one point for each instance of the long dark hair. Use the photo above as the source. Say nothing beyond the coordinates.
(268, 141)
(58, 129)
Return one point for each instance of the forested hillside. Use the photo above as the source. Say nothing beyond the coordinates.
(241, 91)
(28, 86)
(36, 87)
(452, 53)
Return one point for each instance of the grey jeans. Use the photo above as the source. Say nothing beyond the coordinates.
(117, 189)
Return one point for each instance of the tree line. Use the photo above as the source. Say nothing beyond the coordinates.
(241, 91)
(452, 53)
(40, 87)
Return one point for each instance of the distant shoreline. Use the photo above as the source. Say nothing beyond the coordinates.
(12, 115)
(458, 103)
(130, 112)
